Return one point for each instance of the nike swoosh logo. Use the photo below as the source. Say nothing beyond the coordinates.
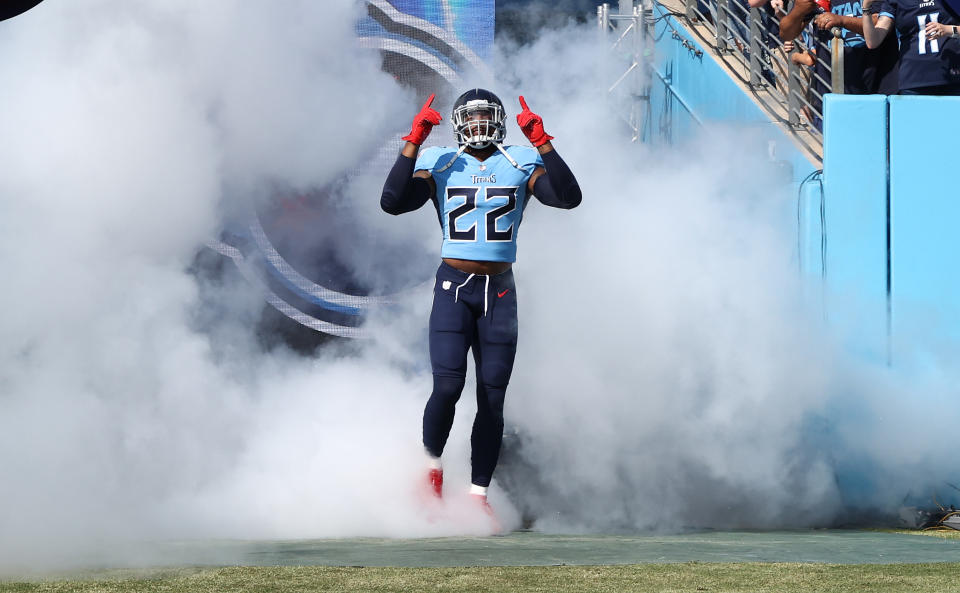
(500, 294)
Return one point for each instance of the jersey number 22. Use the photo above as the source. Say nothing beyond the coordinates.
(469, 195)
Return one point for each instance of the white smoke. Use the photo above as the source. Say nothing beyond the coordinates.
(129, 409)
(668, 373)
(674, 371)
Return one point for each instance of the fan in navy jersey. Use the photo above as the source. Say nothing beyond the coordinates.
(866, 71)
(480, 190)
(929, 33)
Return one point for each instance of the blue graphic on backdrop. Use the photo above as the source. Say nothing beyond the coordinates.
(295, 249)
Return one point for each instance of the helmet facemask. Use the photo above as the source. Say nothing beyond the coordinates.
(479, 123)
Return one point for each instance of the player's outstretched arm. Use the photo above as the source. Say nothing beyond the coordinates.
(554, 184)
(404, 190)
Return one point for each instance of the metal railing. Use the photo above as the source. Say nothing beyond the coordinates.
(630, 91)
(747, 41)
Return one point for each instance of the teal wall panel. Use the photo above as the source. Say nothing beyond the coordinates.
(855, 186)
(856, 214)
(925, 215)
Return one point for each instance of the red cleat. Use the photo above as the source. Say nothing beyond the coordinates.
(481, 501)
(435, 480)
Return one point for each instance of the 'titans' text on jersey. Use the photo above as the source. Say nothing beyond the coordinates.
(480, 203)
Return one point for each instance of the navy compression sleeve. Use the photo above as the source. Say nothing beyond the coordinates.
(557, 187)
(402, 192)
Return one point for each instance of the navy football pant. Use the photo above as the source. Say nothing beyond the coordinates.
(471, 312)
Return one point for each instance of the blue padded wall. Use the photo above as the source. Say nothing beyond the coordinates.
(925, 214)
(855, 190)
(922, 261)
(855, 184)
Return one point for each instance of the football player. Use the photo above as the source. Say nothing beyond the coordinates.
(480, 189)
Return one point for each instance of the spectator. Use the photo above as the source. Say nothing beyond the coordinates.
(929, 45)
(799, 16)
(770, 13)
(816, 59)
(866, 70)
(806, 58)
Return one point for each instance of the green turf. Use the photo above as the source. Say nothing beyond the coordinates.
(943, 533)
(687, 577)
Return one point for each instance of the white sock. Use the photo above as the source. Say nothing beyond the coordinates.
(478, 490)
(433, 462)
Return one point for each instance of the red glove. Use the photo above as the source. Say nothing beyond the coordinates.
(531, 125)
(423, 123)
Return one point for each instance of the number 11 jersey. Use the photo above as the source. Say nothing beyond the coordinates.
(480, 203)
(924, 61)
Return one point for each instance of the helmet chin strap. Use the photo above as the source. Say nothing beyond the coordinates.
(455, 157)
(506, 154)
(463, 147)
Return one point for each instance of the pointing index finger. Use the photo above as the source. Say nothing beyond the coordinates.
(429, 100)
(523, 103)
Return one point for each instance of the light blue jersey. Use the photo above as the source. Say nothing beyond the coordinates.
(480, 203)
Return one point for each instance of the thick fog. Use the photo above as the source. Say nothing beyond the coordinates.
(673, 370)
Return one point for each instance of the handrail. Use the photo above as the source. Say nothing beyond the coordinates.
(741, 38)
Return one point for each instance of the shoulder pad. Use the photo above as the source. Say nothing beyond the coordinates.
(525, 155)
(433, 156)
